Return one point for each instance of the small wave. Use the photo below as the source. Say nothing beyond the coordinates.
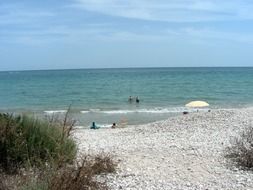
(119, 111)
(79, 127)
(84, 111)
(99, 125)
(155, 110)
(94, 110)
(144, 111)
(55, 111)
(108, 112)
(105, 125)
(161, 110)
(91, 111)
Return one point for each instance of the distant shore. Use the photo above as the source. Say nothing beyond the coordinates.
(182, 152)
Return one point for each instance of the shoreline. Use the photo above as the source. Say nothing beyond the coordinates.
(106, 118)
(182, 152)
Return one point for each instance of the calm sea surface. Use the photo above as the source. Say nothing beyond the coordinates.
(101, 95)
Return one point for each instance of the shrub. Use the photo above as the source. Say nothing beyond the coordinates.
(3, 185)
(42, 154)
(82, 176)
(241, 149)
(103, 163)
(28, 141)
(36, 185)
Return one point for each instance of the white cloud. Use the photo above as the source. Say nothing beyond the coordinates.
(36, 27)
(171, 10)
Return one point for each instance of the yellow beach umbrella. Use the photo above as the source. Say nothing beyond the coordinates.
(197, 104)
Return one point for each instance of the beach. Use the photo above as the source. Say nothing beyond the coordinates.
(159, 147)
(182, 152)
(126, 94)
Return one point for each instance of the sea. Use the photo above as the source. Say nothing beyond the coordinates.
(101, 95)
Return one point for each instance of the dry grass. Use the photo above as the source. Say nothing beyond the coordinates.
(241, 149)
(40, 155)
(82, 176)
(8, 182)
(3, 185)
(103, 163)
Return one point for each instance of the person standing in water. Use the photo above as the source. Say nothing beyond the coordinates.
(130, 99)
(137, 99)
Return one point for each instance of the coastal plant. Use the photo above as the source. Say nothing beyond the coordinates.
(83, 174)
(38, 154)
(103, 163)
(3, 185)
(28, 141)
(241, 149)
(35, 185)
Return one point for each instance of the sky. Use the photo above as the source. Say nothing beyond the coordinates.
(71, 34)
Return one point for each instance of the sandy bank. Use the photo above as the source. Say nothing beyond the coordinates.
(185, 152)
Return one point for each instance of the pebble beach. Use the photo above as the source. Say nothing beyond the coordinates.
(182, 152)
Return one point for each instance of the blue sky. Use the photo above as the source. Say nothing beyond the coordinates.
(63, 34)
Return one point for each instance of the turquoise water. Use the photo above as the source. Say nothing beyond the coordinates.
(102, 94)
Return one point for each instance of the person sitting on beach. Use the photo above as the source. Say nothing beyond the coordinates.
(113, 125)
(94, 126)
(137, 99)
(130, 99)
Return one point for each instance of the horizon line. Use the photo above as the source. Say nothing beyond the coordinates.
(105, 68)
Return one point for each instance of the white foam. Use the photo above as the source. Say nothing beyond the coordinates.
(79, 127)
(147, 111)
(197, 109)
(105, 125)
(94, 110)
(91, 111)
(155, 110)
(97, 124)
(119, 111)
(55, 111)
(159, 110)
(84, 111)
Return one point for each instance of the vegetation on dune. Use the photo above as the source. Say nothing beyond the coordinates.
(241, 149)
(41, 155)
(82, 176)
(29, 141)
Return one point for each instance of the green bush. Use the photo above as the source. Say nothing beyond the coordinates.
(42, 155)
(29, 141)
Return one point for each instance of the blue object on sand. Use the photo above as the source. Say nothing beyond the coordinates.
(94, 126)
